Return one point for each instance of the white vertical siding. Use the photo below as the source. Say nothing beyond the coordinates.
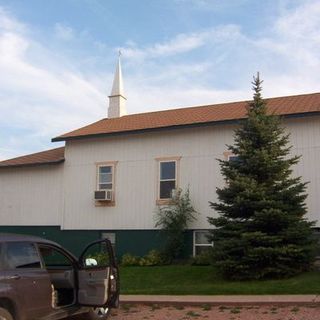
(31, 196)
(305, 139)
(63, 194)
(136, 174)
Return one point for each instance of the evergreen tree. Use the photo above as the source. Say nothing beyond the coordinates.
(261, 231)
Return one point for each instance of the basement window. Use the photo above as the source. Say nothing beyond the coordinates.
(233, 158)
(201, 243)
(111, 237)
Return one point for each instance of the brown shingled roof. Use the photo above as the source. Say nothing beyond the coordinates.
(284, 106)
(53, 156)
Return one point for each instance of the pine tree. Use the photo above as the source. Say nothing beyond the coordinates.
(261, 231)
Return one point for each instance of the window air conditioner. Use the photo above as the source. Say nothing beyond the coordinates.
(103, 195)
(174, 193)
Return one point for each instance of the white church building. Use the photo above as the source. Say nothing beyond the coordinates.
(111, 175)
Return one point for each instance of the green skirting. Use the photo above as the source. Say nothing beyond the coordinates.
(136, 242)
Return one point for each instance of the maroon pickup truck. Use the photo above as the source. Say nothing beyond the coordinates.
(41, 280)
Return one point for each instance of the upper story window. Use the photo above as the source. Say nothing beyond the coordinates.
(168, 177)
(105, 177)
(229, 156)
(233, 158)
(105, 194)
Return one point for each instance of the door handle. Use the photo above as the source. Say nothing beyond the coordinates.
(15, 277)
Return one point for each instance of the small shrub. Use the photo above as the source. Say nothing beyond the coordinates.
(206, 307)
(179, 307)
(235, 310)
(153, 258)
(155, 307)
(130, 260)
(101, 258)
(203, 259)
(222, 308)
(174, 219)
(126, 307)
(192, 314)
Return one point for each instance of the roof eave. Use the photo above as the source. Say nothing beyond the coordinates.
(137, 131)
(182, 126)
(35, 164)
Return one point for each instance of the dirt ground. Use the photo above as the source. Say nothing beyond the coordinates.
(177, 312)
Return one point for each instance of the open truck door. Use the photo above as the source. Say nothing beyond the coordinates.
(98, 276)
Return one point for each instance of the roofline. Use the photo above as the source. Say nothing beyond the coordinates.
(266, 99)
(137, 131)
(173, 127)
(35, 164)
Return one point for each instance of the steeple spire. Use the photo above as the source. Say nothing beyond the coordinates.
(117, 100)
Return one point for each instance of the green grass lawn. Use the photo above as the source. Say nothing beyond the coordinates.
(196, 280)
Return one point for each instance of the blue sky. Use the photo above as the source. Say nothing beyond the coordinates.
(57, 58)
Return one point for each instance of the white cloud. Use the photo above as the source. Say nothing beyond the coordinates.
(212, 5)
(292, 51)
(296, 35)
(41, 100)
(63, 32)
(7, 22)
(168, 97)
(182, 43)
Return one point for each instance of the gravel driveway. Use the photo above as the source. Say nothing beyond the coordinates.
(156, 312)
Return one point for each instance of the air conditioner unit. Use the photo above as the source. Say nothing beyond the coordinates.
(103, 195)
(174, 193)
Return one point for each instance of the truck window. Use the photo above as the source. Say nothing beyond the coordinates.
(22, 255)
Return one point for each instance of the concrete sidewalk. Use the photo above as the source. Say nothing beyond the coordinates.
(222, 300)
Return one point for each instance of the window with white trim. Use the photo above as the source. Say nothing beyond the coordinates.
(167, 178)
(105, 177)
(232, 157)
(111, 236)
(201, 243)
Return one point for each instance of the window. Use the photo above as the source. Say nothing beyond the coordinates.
(22, 255)
(201, 242)
(111, 237)
(105, 181)
(229, 156)
(233, 158)
(105, 177)
(53, 258)
(167, 178)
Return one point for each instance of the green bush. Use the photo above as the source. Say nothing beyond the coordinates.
(173, 220)
(130, 260)
(101, 257)
(153, 258)
(203, 259)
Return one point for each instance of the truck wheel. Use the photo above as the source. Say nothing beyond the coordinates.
(99, 313)
(5, 315)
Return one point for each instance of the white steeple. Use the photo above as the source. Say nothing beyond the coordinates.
(117, 100)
